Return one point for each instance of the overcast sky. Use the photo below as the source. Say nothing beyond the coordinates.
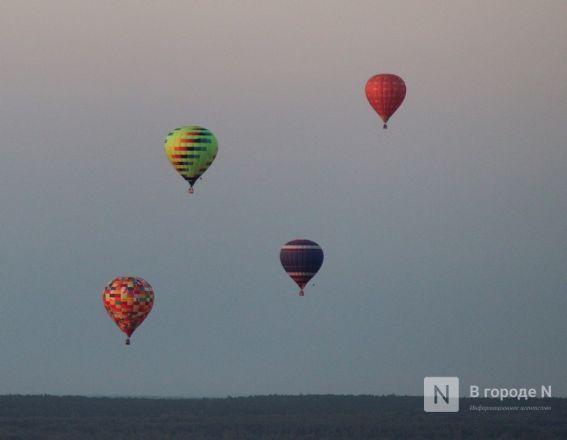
(444, 236)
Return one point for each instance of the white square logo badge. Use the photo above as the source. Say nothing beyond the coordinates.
(441, 394)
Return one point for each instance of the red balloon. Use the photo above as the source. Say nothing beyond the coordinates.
(385, 93)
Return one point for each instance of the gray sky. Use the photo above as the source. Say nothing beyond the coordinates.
(444, 236)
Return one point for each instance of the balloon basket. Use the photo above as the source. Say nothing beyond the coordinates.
(127, 341)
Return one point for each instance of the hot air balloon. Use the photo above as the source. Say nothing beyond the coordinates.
(385, 93)
(301, 259)
(191, 150)
(128, 301)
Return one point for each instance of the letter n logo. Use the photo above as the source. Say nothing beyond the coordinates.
(441, 394)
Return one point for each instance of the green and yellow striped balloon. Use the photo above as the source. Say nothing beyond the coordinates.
(191, 150)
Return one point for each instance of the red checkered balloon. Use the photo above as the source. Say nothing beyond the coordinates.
(128, 300)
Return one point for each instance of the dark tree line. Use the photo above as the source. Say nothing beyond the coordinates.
(319, 417)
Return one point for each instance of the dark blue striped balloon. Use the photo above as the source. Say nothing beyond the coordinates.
(301, 260)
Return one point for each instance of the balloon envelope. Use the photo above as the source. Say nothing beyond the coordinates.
(191, 150)
(128, 301)
(385, 93)
(301, 259)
